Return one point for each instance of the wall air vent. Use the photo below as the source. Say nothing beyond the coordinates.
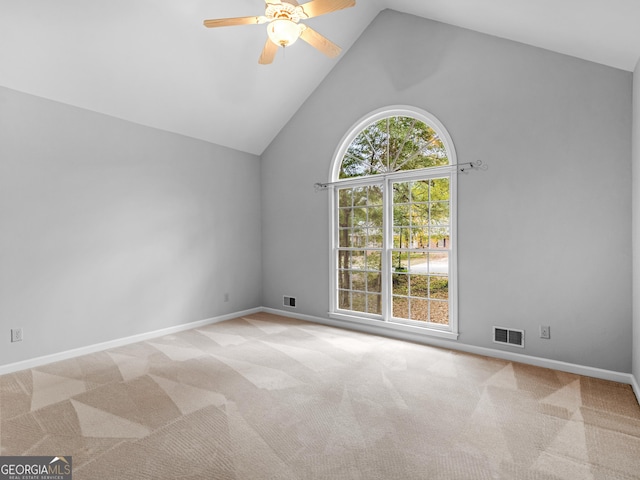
(508, 336)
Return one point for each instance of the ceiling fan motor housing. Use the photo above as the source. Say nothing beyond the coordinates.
(283, 11)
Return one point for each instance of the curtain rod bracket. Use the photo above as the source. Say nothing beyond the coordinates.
(471, 165)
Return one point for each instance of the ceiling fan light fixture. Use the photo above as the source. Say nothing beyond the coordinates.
(283, 32)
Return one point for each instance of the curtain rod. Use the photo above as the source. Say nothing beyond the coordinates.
(460, 167)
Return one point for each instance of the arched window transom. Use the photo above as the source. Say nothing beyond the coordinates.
(393, 144)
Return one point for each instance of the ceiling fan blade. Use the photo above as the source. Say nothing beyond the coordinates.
(320, 42)
(229, 22)
(268, 53)
(320, 7)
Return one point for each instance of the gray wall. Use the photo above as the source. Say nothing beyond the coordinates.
(544, 234)
(109, 229)
(636, 223)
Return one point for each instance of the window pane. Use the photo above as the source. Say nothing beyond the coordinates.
(399, 261)
(401, 217)
(400, 307)
(401, 192)
(439, 213)
(375, 195)
(344, 217)
(439, 189)
(358, 260)
(374, 237)
(344, 259)
(419, 286)
(359, 216)
(400, 284)
(374, 260)
(401, 237)
(358, 281)
(375, 217)
(345, 235)
(439, 263)
(374, 282)
(419, 310)
(345, 197)
(357, 237)
(418, 263)
(359, 302)
(420, 214)
(344, 299)
(374, 304)
(439, 287)
(439, 238)
(420, 191)
(360, 196)
(419, 237)
(344, 279)
(439, 312)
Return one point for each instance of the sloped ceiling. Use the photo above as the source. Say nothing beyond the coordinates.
(152, 62)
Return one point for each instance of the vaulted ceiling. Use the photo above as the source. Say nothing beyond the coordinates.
(152, 62)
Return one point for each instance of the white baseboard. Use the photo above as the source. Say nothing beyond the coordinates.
(636, 387)
(56, 357)
(401, 334)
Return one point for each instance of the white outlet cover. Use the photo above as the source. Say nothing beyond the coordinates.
(16, 335)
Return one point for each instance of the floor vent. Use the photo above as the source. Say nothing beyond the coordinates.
(290, 302)
(508, 336)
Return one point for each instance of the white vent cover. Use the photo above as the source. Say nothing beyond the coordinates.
(508, 336)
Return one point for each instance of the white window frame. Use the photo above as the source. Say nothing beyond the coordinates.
(445, 331)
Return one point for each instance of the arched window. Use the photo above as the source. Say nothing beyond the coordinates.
(393, 221)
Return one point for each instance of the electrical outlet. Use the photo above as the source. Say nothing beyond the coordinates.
(226, 297)
(545, 331)
(16, 334)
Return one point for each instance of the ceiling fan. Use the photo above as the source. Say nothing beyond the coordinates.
(283, 29)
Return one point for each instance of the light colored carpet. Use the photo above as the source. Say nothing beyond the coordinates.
(267, 397)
